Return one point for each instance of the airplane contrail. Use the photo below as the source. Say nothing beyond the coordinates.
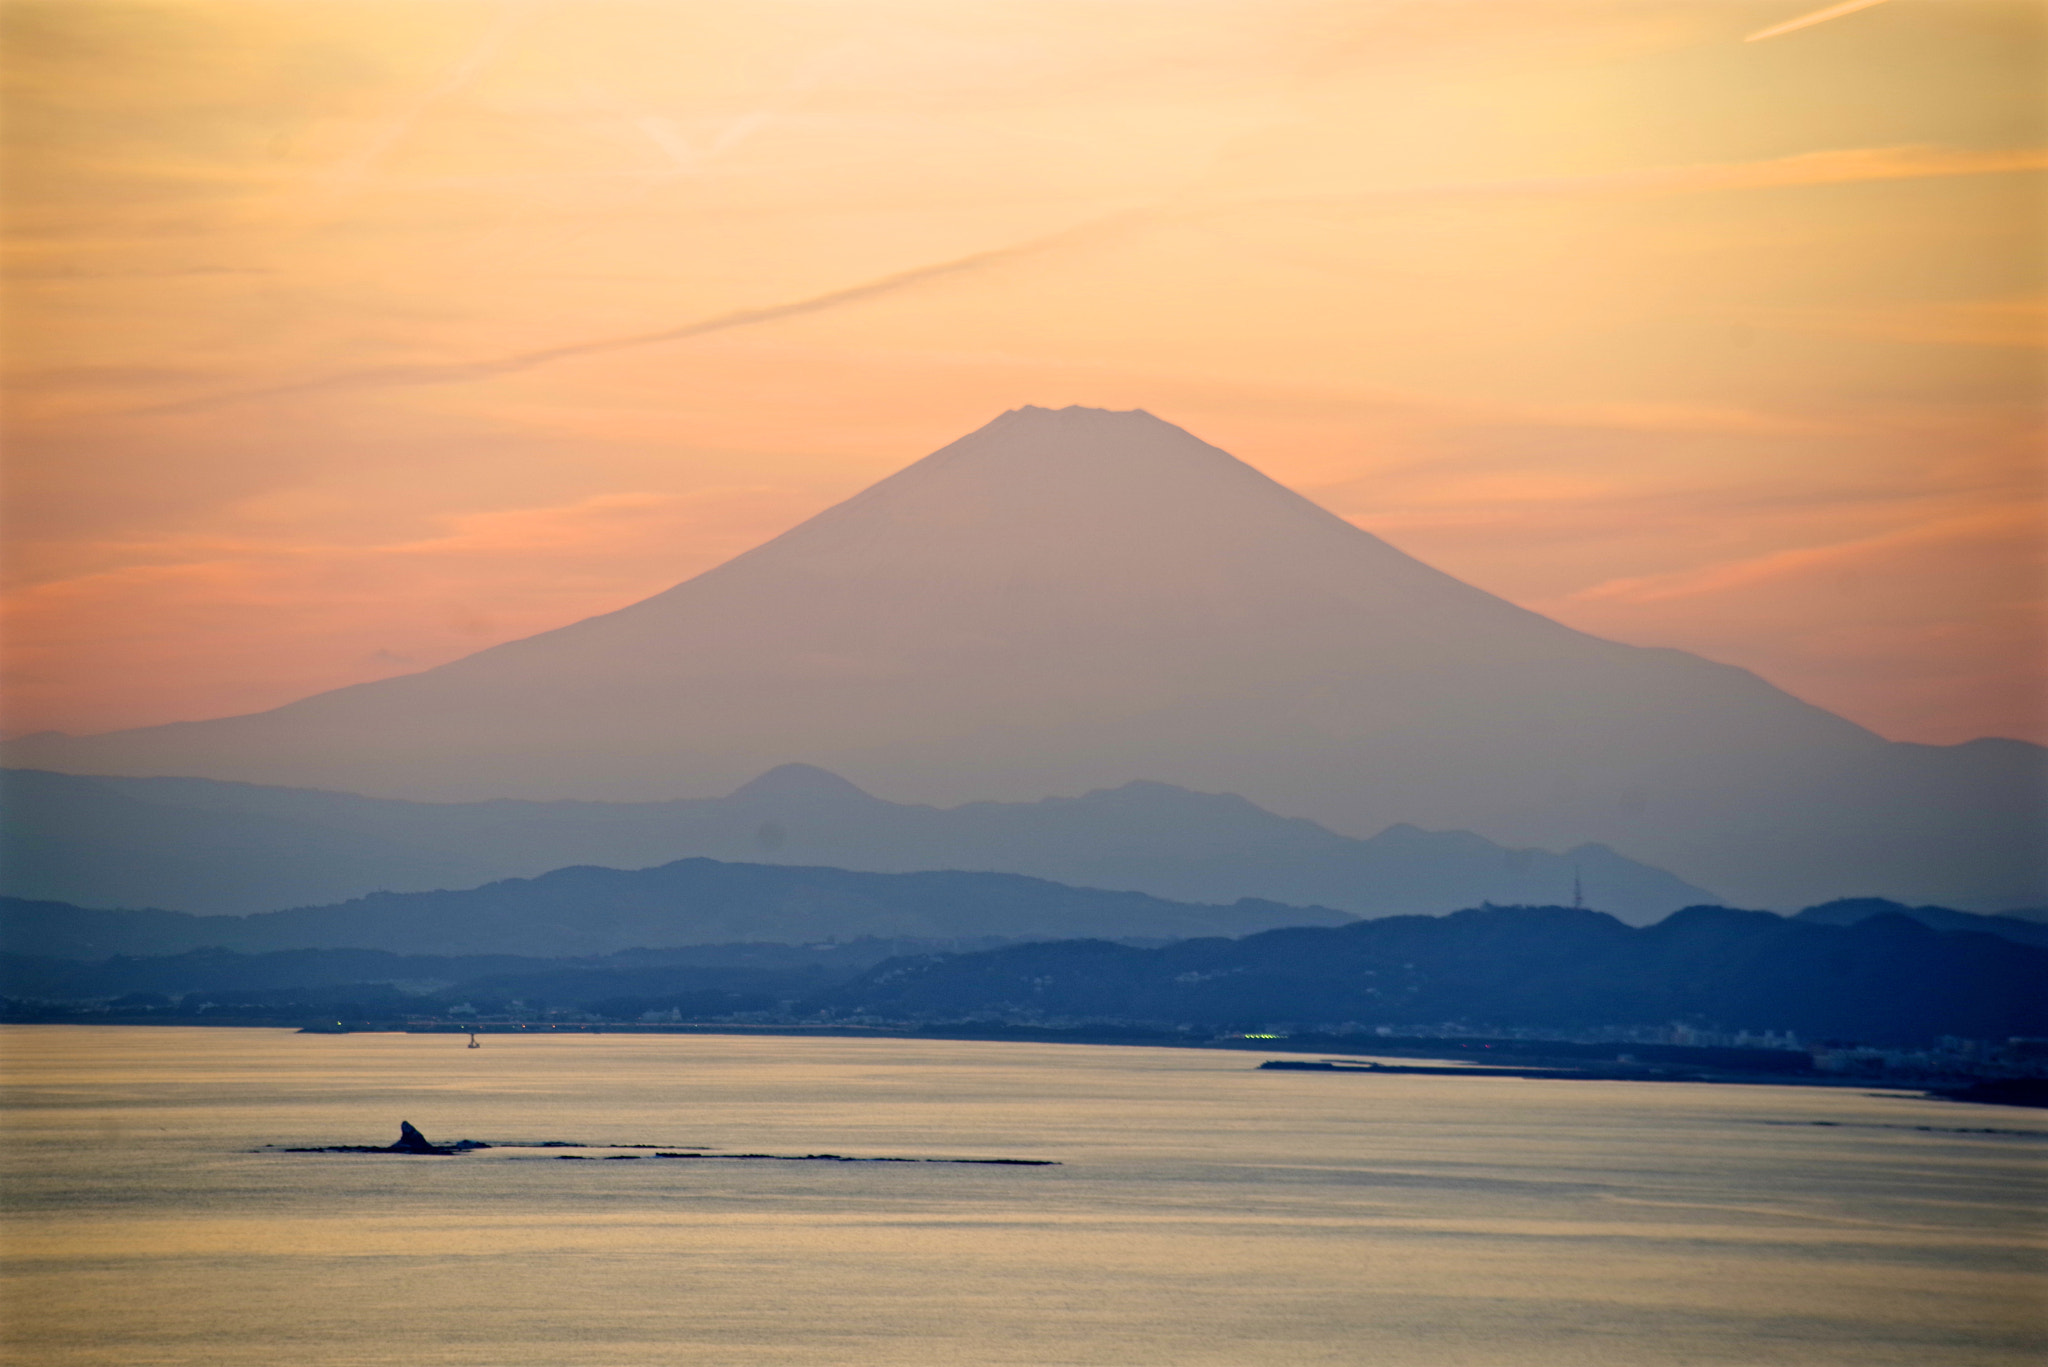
(458, 372)
(1819, 16)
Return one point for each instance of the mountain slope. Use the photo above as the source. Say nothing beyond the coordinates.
(1071, 600)
(219, 848)
(191, 845)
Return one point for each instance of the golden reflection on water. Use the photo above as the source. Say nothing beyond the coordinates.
(1205, 1213)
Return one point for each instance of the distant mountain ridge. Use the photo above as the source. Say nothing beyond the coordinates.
(585, 911)
(2024, 928)
(217, 848)
(707, 977)
(1067, 600)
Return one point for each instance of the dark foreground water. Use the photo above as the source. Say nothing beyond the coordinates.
(1205, 1212)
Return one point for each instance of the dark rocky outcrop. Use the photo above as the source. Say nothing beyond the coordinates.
(411, 1140)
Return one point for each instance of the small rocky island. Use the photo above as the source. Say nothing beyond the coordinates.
(411, 1141)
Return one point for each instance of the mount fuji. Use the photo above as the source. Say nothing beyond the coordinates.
(1071, 600)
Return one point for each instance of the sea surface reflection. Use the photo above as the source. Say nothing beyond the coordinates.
(1204, 1212)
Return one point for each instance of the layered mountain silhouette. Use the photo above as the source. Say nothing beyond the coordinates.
(1069, 600)
(1549, 968)
(199, 845)
(584, 911)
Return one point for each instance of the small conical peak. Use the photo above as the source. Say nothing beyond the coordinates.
(1075, 412)
(1079, 443)
(1036, 470)
(1075, 507)
(799, 782)
(1076, 421)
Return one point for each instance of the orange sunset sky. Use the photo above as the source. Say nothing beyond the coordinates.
(345, 338)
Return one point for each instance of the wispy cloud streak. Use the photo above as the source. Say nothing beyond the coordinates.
(459, 372)
(1820, 16)
(1836, 166)
(1972, 528)
(1840, 166)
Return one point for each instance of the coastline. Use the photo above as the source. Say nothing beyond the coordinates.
(1529, 1061)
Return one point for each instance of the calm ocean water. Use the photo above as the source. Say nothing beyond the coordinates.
(1204, 1213)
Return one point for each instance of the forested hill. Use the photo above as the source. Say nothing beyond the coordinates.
(1888, 979)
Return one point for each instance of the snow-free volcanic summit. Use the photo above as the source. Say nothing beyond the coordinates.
(1074, 599)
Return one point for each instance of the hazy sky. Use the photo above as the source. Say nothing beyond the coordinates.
(345, 338)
